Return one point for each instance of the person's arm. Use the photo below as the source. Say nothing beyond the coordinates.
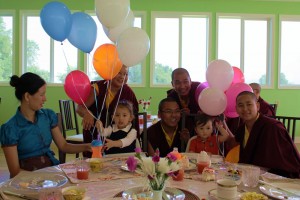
(12, 160)
(62, 144)
(85, 113)
(150, 149)
(224, 134)
(131, 136)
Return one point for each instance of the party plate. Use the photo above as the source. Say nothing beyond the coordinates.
(38, 181)
(277, 193)
(213, 195)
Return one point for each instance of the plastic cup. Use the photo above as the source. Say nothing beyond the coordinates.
(201, 166)
(97, 148)
(250, 176)
(82, 168)
(179, 175)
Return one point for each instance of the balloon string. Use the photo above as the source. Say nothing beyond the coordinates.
(62, 46)
(119, 97)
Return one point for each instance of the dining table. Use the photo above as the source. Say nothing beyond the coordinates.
(115, 178)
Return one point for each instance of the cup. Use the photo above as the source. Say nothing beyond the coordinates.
(250, 176)
(97, 148)
(226, 189)
(141, 120)
(96, 164)
(179, 175)
(82, 168)
(148, 115)
(201, 166)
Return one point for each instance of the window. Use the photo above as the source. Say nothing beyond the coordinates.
(289, 59)
(178, 40)
(136, 73)
(50, 59)
(246, 42)
(6, 49)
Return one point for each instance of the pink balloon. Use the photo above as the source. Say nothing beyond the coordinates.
(219, 74)
(212, 101)
(77, 86)
(238, 76)
(199, 89)
(231, 95)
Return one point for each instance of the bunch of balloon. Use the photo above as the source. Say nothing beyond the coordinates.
(133, 46)
(83, 32)
(56, 20)
(106, 61)
(212, 101)
(231, 95)
(77, 86)
(219, 74)
(199, 89)
(238, 76)
(112, 13)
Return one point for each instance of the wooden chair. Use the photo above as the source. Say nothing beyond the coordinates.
(290, 124)
(69, 125)
(274, 106)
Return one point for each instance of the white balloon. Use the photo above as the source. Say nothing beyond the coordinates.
(212, 101)
(133, 46)
(219, 74)
(111, 13)
(115, 32)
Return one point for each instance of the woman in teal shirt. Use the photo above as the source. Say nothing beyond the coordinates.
(27, 136)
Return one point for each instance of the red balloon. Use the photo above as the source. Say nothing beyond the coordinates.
(238, 76)
(231, 95)
(77, 86)
(199, 89)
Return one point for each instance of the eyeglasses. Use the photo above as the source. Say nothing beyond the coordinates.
(169, 112)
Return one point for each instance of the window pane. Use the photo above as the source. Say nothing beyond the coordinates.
(166, 49)
(6, 41)
(53, 64)
(255, 53)
(289, 53)
(194, 47)
(229, 41)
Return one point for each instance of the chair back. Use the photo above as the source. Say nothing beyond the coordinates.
(188, 144)
(274, 106)
(290, 124)
(68, 116)
(69, 125)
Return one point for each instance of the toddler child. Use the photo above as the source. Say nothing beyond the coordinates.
(121, 134)
(207, 140)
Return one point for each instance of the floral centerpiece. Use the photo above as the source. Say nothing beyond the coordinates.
(157, 170)
(145, 103)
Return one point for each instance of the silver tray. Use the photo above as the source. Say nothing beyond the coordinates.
(168, 194)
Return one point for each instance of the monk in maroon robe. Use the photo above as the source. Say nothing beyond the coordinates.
(265, 108)
(264, 141)
(165, 134)
(107, 96)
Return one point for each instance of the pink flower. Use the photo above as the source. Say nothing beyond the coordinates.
(155, 158)
(131, 163)
(171, 157)
(138, 150)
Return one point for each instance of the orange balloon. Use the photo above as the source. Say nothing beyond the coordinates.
(106, 61)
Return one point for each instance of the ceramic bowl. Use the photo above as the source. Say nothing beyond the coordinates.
(73, 193)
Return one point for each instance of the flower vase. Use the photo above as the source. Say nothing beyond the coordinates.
(157, 194)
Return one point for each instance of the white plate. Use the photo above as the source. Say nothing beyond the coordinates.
(38, 181)
(213, 195)
(280, 194)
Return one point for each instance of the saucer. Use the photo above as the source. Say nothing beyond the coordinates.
(213, 195)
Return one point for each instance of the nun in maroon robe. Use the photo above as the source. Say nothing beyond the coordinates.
(269, 145)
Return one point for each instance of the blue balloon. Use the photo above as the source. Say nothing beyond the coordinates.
(56, 20)
(83, 33)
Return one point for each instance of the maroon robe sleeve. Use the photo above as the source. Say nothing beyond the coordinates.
(266, 108)
(270, 146)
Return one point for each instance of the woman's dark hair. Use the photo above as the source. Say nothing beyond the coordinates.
(28, 82)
